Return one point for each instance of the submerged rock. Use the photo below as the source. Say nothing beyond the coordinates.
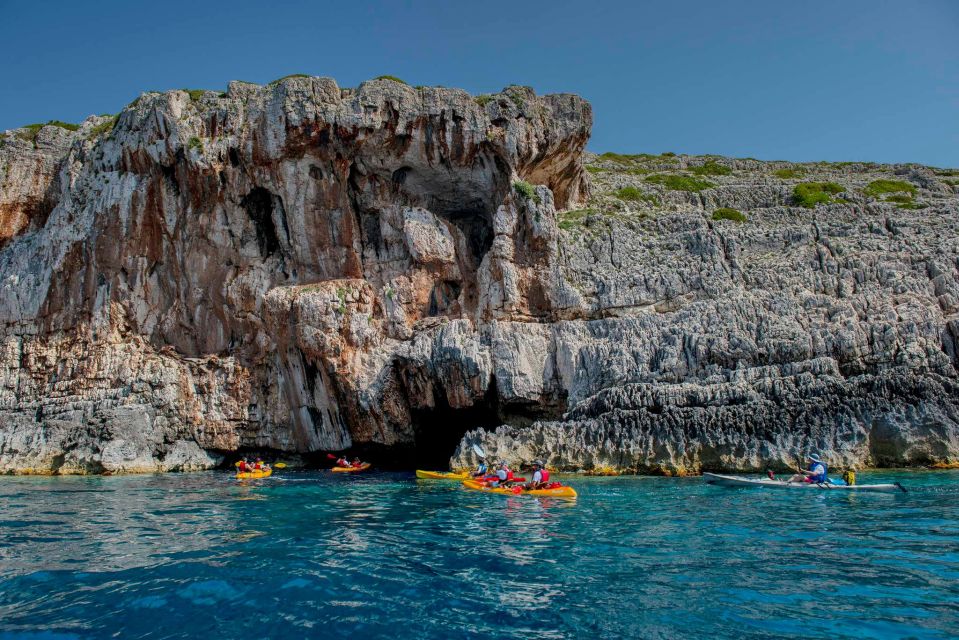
(305, 268)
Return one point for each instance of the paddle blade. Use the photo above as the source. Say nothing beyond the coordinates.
(478, 450)
(331, 456)
(236, 464)
(280, 465)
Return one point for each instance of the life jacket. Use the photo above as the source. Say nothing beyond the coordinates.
(342, 462)
(543, 475)
(258, 466)
(481, 470)
(242, 466)
(819, 477)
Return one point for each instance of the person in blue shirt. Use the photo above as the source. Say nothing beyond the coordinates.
(481, 469)
(816, 473)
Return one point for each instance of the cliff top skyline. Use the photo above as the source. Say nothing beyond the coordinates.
(859, 81)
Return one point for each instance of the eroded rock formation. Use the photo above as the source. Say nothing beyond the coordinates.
(298, 267)
(306, 268)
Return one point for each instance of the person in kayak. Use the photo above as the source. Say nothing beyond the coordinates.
(816, 473)
(356, 463)
(504, 475)
(243, 466)
(342, 462)
(540, 476)
(481, 469)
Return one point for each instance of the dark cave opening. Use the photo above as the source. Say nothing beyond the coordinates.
(260, 205)
(438, 430)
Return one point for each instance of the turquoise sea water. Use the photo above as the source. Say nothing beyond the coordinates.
(311, 554)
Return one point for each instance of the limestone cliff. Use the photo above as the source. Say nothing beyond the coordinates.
(304, 268)
(297, 266)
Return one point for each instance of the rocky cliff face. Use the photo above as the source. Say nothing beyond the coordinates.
(732, 328)
(298, 267)
(305, 268)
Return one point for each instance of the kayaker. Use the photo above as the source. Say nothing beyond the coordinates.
(540, 476)
(481, 469)
(342, 462)
(816, 473)
(504, 475)
(258, 465)
(242, 466)
(357, 463)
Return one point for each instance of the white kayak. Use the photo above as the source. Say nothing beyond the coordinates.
(739, 481)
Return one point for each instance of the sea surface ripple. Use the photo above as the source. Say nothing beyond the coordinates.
(310, 554)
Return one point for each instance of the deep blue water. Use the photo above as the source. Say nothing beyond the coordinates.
(310, 554)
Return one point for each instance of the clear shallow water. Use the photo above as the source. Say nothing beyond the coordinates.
(304, 554)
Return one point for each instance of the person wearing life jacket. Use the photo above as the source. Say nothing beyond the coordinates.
(242, 466)
(258, 465)
(481, 469)
(357, 463)
(342, 462)
(504, 475)
(540, 475)
(816, 473)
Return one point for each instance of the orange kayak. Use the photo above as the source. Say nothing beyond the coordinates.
(248, 475)
(556, 492)
(362, 467)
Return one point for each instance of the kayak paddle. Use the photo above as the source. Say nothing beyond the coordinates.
(280, 465)
(478, 450)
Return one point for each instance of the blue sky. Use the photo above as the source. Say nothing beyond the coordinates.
(849, 80)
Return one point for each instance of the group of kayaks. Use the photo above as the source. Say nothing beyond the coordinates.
(558, 490)
(552, 490)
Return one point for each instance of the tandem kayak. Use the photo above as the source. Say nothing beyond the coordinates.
(252, 475)
(362, 467)
(441, 475)
(556, 492)
(739, 481)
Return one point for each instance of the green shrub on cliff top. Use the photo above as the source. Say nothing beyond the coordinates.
(33, 129)
(809, 194)
(195, 94)
(680, 183)
(877, 188)
(393, 78)
(725, 213)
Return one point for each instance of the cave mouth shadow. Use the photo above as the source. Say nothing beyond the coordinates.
(437, 431)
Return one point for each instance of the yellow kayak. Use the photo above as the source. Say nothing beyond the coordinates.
(557, 492)
(362, 467)
(441, 475)
(246, 475)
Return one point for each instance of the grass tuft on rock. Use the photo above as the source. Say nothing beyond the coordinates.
(809, 194)
(878, 188)
(789, 173)
(483, 100)
(676, 182)
(195, 143)
(104, 127)
(632, 194)
(725, 213)
(570, 220)
(711, 168)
